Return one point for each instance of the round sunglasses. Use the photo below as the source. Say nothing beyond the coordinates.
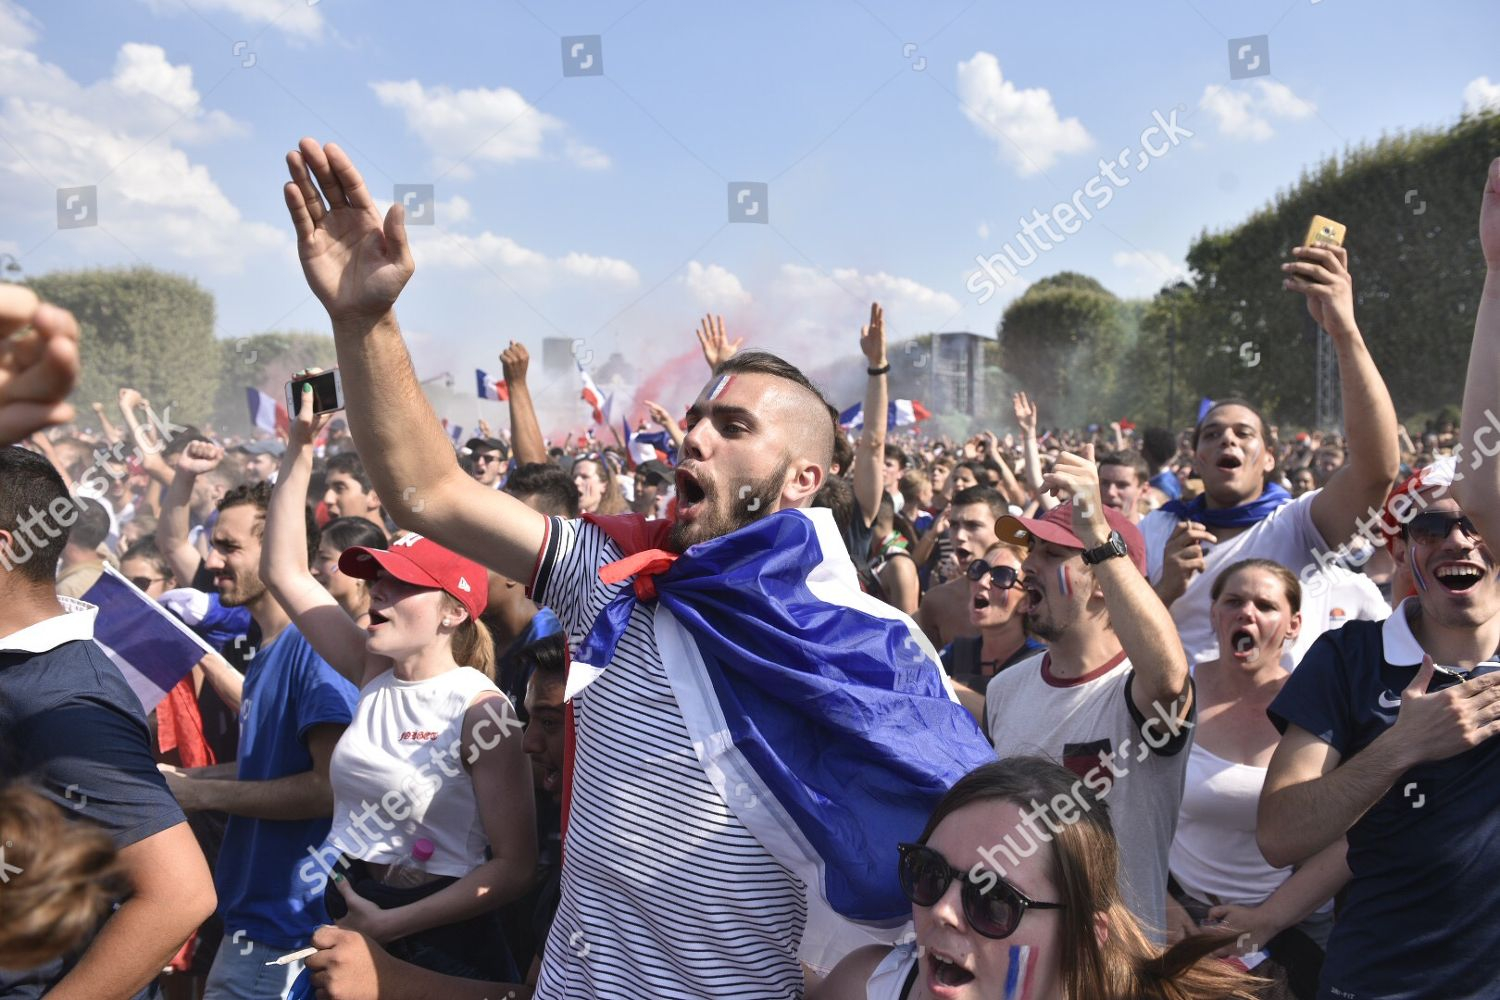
(994, 913)
(1003, 577)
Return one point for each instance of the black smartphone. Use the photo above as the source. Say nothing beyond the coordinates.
(328, 392)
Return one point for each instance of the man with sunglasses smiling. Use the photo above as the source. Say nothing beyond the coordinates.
(1387, 740)
(995, 598)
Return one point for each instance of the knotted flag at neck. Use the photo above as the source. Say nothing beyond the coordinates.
(1243, 515)
(820, 713)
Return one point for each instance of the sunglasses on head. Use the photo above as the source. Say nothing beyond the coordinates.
(996, 913)
(1434, 526)
(1003, 577)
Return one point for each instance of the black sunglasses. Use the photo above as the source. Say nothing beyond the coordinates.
(1004, 577)
(1434, 526)
(996, 913)
(145, 582)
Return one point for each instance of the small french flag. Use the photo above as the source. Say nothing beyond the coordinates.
(591, 394)
(152, 649)
(266, 412)
(491, 388)
(899, 413)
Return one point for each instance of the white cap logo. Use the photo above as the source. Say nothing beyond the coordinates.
(464, 585)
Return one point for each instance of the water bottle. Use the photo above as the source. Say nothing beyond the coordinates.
(410, 871)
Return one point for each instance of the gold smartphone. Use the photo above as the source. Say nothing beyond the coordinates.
(1324, 230)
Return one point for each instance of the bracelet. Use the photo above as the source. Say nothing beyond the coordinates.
(882, 370)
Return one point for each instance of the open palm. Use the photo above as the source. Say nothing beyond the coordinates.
(355, 264)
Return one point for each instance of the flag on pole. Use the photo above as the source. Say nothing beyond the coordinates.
(491, 388)
(899, 413)
(644, 446)
(266, 412)
(152, 648)
(591, 394)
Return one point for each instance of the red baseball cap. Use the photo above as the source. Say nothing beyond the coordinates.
(422, 562)
(1056, 526)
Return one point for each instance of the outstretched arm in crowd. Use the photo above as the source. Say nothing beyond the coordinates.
(526, 441)
(197, 458)
(307, 795)
(38, 363)
(357, 265)
(112, 434)
(1140, 620)
(869, 453)
(716, 345)
(335, 636)
(1312, 796)
(1322, 274)
(1479, 490)
(171, 893)
(664, 420)
(1026, 418)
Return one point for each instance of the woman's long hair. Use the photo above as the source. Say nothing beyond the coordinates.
(1084, 863)
(473, 643)
(68, 879)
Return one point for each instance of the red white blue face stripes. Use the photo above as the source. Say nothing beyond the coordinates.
(719, 387)
(1020, 974)
(1064, 581)
(1416, 572)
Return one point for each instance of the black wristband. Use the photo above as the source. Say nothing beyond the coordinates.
(882, 370)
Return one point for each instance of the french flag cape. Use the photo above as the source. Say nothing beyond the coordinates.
(821, 714)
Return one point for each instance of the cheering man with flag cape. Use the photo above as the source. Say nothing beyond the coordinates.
(752, 736)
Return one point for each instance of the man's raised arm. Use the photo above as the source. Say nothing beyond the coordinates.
(1478, 492)
(357, 265)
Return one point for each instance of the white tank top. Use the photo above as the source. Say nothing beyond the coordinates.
(888, 981)
(398, 773)
(1214, 855)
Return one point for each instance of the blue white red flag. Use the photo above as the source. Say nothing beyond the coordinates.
(152, 648)
(899, 413)
(590, 394)
(820, 713)
(489, 387)
(265, 412)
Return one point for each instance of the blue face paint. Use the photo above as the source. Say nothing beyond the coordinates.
(1416, 574)
(1018, 976)
(1063, 583)
(719, 387)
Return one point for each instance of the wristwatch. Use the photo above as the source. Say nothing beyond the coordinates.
(1114, 547)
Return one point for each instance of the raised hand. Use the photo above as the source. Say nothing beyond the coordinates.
(715, 342)
(305, 425)
(1076, 478)
(199, 457)
(1489, 217)
(130, 400)
(355, 264)
(659, 414)
(514, 361)
(1025, 412)
(484, 428)
(1321, 273)
(872, 337)
(39, 363)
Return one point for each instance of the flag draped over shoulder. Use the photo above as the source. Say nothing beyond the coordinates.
(820, 713)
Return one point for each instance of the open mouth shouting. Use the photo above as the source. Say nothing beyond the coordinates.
(1242, 644)
(1456, 576)
(946, 975)
(690, 492)
(376, 620)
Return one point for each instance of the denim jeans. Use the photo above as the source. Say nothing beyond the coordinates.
(240, 972)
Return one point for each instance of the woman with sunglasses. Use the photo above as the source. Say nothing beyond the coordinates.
(995, 599)
(1050, 926)
(1219, 879)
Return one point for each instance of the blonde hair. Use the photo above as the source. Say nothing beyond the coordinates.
(473, 645)
(69, 878)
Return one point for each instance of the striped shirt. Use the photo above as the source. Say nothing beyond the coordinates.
(665, 894)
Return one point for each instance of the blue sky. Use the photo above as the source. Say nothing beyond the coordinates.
(899, 142)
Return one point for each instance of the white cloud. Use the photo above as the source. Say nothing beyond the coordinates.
(297, 19)
(1481, 94)
(1246, 113)
(714, 287)
(466, 127)
(816, 316)
(119, 134)
(984, 230)
(516, 263)
(1146, 271)
(1023, 123)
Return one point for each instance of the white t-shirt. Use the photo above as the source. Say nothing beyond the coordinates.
(1288, 537)
(1080, 723)
(665, 893)
(1214, 855)
(402, 755)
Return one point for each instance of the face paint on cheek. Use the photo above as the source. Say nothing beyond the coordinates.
(1021, 972)
(1064, 581)
(720, 387)
(1416, 573)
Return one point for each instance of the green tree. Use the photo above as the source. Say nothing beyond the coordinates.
(1062, 341)
(145, 329)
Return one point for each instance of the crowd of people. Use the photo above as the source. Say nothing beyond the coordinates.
(1092, 713)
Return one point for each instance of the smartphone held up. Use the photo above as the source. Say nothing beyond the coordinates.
(1324, 230)
(327, 392)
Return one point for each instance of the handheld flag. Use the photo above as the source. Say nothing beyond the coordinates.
(491, 388)
(266, 412)
(152, 649)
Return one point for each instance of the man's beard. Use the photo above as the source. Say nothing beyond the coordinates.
(751, 503)
(243, 592)
(1037, 627)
